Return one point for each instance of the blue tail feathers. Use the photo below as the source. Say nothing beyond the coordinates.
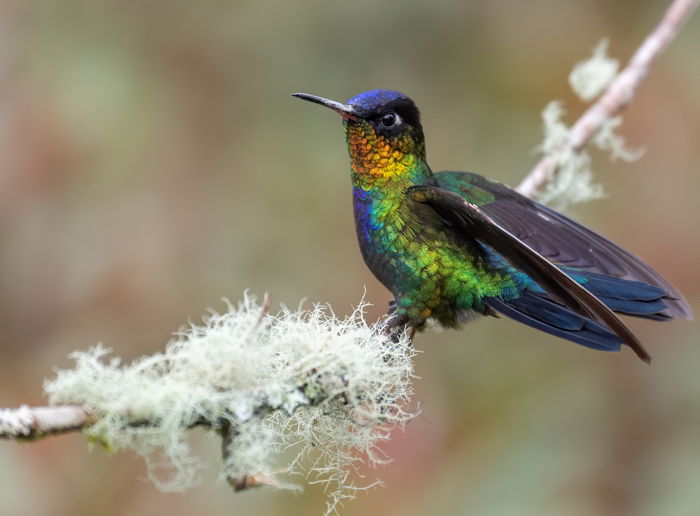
(625, 296)
(534, 308)
(555, 319)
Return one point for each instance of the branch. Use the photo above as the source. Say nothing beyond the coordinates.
(32, 423)
(618, 96)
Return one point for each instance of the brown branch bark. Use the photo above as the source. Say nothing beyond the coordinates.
(618, 95)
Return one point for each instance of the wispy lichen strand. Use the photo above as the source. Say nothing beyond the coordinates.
(573, 182)
(331, 388)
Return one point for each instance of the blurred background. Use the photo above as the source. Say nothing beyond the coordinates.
(153, 162)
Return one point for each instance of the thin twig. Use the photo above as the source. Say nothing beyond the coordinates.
(618, 95)
(31, 423)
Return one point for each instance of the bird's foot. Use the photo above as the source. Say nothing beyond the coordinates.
(398, 323)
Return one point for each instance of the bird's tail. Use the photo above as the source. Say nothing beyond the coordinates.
(535, 308)
(626, 297)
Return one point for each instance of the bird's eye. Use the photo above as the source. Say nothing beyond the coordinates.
(390, 119)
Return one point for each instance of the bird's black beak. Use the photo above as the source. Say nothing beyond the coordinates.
(344, 110)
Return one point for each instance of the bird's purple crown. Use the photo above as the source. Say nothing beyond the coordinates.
(373, 99)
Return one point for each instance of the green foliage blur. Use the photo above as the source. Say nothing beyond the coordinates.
(153, 162)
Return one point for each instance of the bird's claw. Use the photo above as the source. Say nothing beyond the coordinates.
(397, 324)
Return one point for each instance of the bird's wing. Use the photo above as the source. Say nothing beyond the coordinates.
(557, 237)
(464, 216)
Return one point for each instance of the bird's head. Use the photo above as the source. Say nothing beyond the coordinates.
(383, 131)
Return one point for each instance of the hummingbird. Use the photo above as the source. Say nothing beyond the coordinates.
(453, 246)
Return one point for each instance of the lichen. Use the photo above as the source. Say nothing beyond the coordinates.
(331, 388)
(573, 182)
(589, 78)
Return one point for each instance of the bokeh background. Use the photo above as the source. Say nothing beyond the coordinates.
(153, 162)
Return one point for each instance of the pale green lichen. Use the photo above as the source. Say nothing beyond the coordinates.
(331, 388)
(573, 181)
(607, 140)
(589, 78)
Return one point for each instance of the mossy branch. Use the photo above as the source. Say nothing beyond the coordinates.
(329, 387)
